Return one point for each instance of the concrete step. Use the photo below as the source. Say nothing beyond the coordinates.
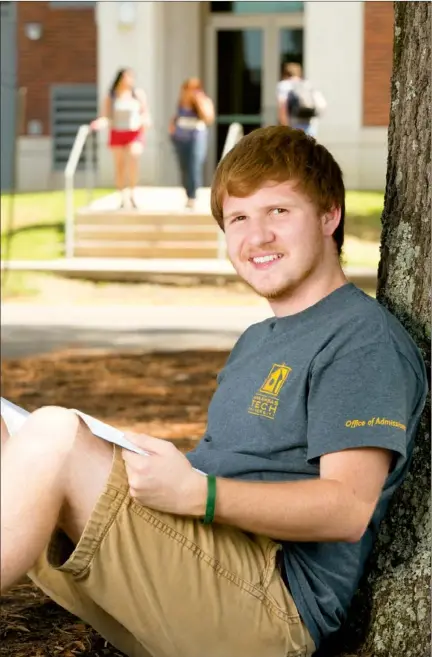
(151, 232)
(145, 249)
(133, 218)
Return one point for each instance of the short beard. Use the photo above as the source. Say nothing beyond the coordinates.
(284, 290)
(272, 295)
(275, 294)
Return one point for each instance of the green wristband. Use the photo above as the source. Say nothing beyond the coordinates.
(211, 500)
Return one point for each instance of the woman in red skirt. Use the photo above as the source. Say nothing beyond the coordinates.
(125, 109)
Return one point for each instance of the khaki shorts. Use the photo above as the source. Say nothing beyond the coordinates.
(167, 586)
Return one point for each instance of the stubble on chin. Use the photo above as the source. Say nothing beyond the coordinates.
(271, 293)
(275, 293)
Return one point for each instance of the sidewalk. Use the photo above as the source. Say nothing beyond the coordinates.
(141, 269)
(29, 329)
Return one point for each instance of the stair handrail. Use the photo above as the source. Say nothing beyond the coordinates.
(74, 157)
(234, 134)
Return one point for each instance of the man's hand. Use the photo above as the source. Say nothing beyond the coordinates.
(164, 480)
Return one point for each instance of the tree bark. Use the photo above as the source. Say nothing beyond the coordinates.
(390, 616)
(401, 575)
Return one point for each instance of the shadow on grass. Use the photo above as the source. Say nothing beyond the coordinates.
(34, 242)
(58, 227)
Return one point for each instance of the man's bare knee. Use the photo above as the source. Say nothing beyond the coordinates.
(52, 426)
(64, 431)
(54, 414)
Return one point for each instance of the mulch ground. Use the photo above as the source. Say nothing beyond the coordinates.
(165, 395)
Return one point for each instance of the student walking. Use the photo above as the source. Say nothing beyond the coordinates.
(189, 134)
(299, 104)
(126, 111)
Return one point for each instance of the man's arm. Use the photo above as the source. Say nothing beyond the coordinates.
(283, 117)
(205, 108)
(336, 507)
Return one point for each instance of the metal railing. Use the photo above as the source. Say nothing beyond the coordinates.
(234, 134)
(81, 140)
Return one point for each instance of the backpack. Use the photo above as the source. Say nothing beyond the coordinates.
(304, 102)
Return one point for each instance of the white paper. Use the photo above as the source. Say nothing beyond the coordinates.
(109, 433)
(15, 416)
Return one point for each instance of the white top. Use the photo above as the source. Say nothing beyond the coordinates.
(126, 113)
(283, 88)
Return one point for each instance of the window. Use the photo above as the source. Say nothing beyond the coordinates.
(71, 106)
(78, 4)
(266, 7)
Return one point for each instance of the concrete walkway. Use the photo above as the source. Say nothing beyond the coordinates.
(142, 269)
(29, 329)
(154, 200)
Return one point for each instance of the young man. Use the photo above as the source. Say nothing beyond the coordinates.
(309, 434)
(299, 104)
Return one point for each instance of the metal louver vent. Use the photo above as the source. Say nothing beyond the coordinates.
(71, 107)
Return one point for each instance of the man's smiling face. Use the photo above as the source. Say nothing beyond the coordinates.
(276, 239)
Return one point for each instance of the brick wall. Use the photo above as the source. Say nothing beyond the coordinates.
(65, 54)
(377, 60)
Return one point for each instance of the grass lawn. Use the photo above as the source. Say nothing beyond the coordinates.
(363, 215)
(363, 228)
(38, 232)
(38, 223)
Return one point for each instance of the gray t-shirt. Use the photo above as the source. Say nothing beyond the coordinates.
(342, 374)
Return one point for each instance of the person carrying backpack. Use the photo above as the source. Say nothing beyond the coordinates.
(299, 104)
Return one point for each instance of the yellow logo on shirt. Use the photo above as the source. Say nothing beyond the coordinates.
(275, 380)
(265, 402)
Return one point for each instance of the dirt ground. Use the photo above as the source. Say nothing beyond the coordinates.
(166, 395)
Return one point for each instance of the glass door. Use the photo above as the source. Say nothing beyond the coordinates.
(239, 81)
(244, 61)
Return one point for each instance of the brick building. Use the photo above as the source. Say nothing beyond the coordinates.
(64, 54)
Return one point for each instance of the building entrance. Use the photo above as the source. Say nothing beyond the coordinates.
(244, 58)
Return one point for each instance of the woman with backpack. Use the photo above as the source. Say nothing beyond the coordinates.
(189, 134)
(125, 110)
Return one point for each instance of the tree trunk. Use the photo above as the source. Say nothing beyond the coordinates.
(391, 614)
(402, 571)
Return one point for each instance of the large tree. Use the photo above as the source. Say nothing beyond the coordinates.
(391, 615)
